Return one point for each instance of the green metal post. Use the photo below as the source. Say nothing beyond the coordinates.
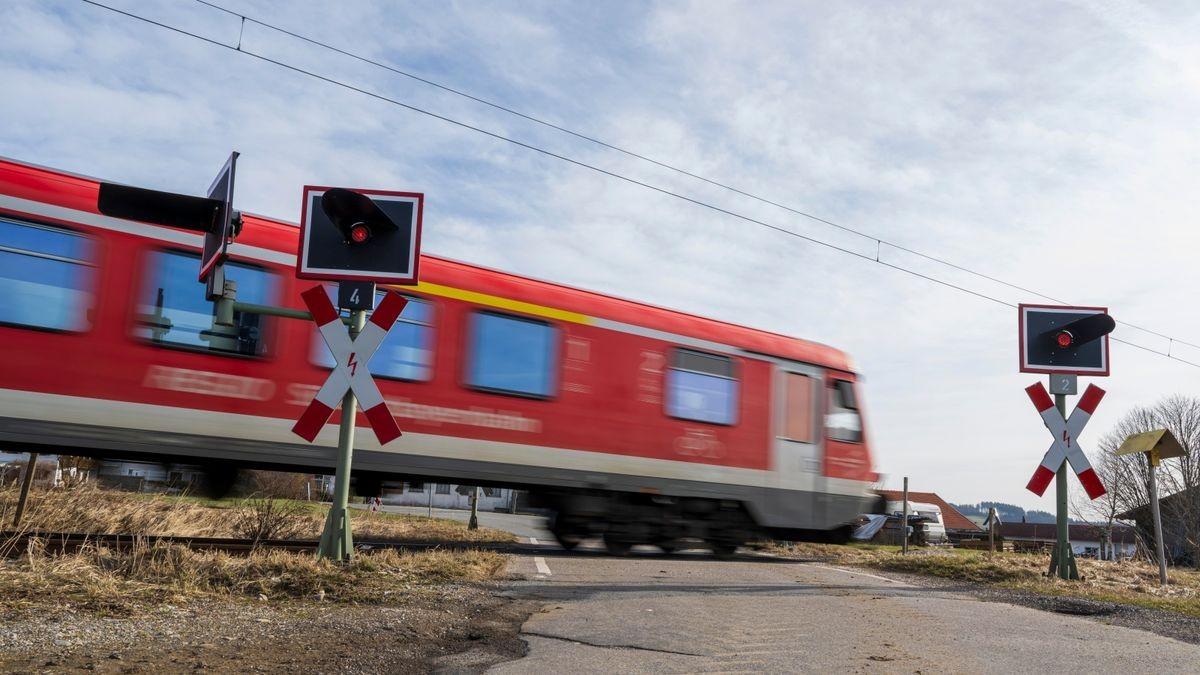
(336, 541)
(1064, 558)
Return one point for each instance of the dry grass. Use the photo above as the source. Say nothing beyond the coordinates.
(113, 581)
(110, 581)
(1130, 582)
(92, 510)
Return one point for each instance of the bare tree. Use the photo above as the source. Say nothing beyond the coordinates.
(1127, 478)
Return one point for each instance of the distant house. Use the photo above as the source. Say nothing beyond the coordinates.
(446, 496)
(1181, 531)
(138, 476)
(1086, 540)
(957, 525)
(47, 473)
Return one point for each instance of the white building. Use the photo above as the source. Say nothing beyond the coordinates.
(447, 496)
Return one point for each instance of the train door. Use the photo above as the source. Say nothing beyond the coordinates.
(798, 481)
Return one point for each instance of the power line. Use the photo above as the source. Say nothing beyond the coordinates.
(240, 48)
(592, 139)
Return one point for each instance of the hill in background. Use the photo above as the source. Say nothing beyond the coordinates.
(1009, 513)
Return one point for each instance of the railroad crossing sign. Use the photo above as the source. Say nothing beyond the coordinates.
(1070, 340)
(362, 235)
(350, 372)
(1066, 444)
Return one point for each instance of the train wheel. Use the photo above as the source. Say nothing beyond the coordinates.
(723, 550)
(841, 535)
(616, 546)
(568, 540)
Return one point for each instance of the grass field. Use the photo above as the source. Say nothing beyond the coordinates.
(1127, 582)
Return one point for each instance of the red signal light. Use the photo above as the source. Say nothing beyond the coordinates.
(1064, 339)
(359, 233)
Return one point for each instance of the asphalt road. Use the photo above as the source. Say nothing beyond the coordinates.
(686, 613)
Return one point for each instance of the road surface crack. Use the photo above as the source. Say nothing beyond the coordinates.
(603, 646)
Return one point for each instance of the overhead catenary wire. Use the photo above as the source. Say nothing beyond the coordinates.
(665, 165)
(241, 49)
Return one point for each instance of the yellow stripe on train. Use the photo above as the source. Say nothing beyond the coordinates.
(499, 302)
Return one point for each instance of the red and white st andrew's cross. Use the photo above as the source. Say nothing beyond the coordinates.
(1065, 445)
(350, 369)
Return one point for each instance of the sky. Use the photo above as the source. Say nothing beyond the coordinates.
(1049, 145)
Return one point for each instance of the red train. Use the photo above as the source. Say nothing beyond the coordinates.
(633, 422)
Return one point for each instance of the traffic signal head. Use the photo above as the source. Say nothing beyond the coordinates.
(213, 215)
(364, 235)
(357, 217)
(1071, 340)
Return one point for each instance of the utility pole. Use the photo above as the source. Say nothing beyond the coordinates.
(904, 525)
(26, 482)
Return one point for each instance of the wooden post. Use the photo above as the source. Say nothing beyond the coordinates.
(473, 523)
(993, 518)
(30, 469)
(1152, 458)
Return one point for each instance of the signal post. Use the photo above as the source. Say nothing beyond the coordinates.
(1064, 342)
(355, 237)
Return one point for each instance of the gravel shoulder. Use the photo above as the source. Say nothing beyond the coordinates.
(459, 628)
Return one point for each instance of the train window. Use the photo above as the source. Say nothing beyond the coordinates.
(45, 276)
(512, 355)
(843, 422)
(172, 309)
(798, 408)
(406, 352)
(702, 387)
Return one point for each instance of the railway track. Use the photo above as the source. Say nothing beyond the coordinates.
(17, 542)
(13, 544)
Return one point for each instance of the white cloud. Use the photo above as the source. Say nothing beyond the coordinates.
(1049, 145)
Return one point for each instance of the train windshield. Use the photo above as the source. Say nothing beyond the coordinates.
(843, 421)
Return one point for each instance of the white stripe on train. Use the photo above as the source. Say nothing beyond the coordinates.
(174, 420)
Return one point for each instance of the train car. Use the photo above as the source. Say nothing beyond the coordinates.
(632, 422)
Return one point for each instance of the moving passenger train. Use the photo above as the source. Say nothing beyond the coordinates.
(631, 422)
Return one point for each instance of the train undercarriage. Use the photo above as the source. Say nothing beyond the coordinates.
(624, 520)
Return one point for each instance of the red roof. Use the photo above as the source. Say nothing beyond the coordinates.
(951, 518)
(1121, 534)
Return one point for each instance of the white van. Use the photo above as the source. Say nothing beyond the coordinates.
(925, 519)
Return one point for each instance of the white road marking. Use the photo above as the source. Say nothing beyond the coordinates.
(863, 574)
(542, 567)
(533, 540)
